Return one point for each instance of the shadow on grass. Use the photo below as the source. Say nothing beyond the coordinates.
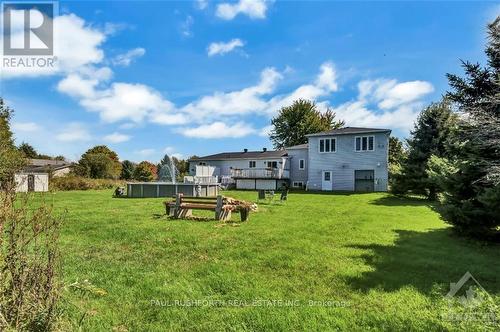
(392, 200)
(421, 259)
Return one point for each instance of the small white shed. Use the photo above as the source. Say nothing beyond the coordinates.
(32, 182)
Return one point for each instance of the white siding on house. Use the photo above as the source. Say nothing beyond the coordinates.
(346, 160)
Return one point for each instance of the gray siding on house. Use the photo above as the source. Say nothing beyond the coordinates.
(346, 160)
(297, 174)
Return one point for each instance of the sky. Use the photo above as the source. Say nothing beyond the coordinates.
(195, 78)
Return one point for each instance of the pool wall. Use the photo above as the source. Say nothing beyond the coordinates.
(159, 189)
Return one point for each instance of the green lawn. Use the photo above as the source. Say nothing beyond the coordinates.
(384, 263)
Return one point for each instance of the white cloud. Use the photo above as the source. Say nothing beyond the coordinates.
(389, 93)
(266, 131)
(247, 100)
(76, 45)
(146, 152)
(127, 58)
(222, 48)
(186, 26)
(201, 4)
(25, 126)
(255, 9)
(385, 103)
(116, 138)
(122, 101)
(218, 130)
(325, 83)
(74, 132)
(170, 150)
(77, 87)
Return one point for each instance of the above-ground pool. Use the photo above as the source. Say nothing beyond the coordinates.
(165, 189)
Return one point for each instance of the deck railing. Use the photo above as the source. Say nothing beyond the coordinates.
(260, 173)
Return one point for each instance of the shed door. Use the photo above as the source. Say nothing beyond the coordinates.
(364, 180)
(31, 182)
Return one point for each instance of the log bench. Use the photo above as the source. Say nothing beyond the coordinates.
(182, 207)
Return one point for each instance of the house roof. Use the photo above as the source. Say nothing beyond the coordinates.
(243, 155)
(46, 162)
(296, 147)
(350, 130)
(45, 165)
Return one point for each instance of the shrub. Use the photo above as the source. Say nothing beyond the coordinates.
(30, 285)
(72, 182)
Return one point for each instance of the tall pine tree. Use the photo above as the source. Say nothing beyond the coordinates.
(428, 138)
(472, 202)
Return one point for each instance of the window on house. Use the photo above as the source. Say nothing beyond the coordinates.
(201, 163)
(302, 164)
(365, 143)
(298, 184)
(327, 176)
(252, 164)
(328, 145)
(272, 164)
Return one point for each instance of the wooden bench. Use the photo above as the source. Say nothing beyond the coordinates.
(182, 207)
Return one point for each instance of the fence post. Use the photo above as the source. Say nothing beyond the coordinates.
(218, 208)
(178, 202)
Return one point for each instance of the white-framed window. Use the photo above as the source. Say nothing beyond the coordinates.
(327, 145)
(202, 163)
(364, 143)
(302, 164)
(298, 184)
(252, 164)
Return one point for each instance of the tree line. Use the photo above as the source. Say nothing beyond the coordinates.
(100, 162)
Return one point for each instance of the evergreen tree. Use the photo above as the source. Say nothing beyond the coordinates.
(294, 122)
(127, 170)
(429, 137)
(472, 183)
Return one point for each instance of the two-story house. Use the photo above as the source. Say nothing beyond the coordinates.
(350, 158)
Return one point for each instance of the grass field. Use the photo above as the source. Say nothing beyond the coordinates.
(335, 261)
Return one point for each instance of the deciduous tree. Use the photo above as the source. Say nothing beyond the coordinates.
(294, 122)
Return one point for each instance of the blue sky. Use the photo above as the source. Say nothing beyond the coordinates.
(184, 78)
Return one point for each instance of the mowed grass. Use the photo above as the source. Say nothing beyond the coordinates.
(335, 261)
